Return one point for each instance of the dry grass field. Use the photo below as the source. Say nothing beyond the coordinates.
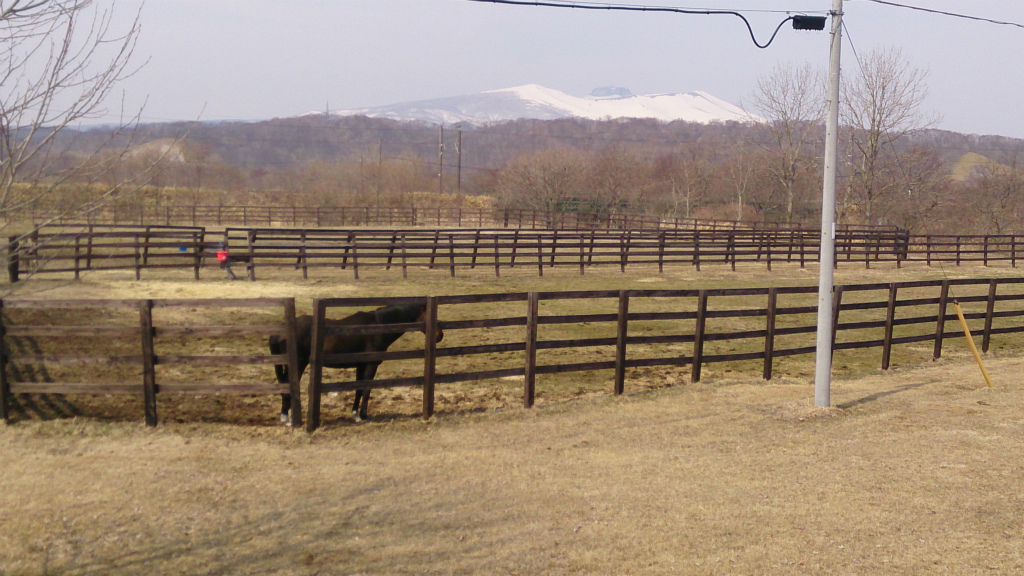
(914, 471)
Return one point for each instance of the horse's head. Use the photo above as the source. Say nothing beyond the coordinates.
(422, 317)
(405, 313)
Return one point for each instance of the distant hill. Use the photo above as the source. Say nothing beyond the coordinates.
(969, 164)
(284, 142)
(539, 103)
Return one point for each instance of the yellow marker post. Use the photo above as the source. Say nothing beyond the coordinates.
(970, 342)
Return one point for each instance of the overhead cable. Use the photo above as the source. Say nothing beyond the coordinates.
(944, 13)
(636, 8)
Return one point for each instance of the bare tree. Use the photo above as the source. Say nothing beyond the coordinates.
(687, 177)
(880, 105)
(616, 178)
(995, 199)
(742, 173)
(60, 61)
(791, 99)
(544, 180)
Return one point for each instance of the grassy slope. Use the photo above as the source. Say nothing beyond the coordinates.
(914, 472)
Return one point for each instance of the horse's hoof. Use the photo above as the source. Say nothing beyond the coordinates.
(356, 417)
(285, 419)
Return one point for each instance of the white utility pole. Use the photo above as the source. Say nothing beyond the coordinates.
(823, 360)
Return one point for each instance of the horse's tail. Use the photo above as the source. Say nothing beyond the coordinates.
(279, 346)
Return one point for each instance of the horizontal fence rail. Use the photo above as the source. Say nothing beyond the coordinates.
(79, 249)
(487, 336)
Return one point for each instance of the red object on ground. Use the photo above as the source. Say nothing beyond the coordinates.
(222, 256)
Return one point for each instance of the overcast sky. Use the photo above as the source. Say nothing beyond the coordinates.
(257, 59)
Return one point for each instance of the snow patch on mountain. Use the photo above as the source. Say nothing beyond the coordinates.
(533, 101)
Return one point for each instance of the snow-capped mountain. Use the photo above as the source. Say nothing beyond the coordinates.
(538, 102)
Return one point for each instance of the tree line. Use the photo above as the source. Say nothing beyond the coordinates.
(895, 168)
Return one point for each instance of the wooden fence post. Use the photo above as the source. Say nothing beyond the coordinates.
(405, 258)
(730, 250)
(476, 247)
(515, 248)
(88, 249)
(620, 342)
(989, 311)
(590, 250)
(198, 240)
(622, 252)
(303, 257)
(5, 385)
(582, 263)
(145, 247)
(429, 356)
(451, 255)
(661, 252)
(497, 261)
(138, 259)
(316, 368)
(554, 247)
(802, 253)
(13, 259)
(530, 380)
(540, 256)
(293, 364)
(148, 361)
(250, 266)
(890, 317)
(698, 336)
(355, 258)
(940, 320)
(696, 248)
(78, 250)
(769, 333)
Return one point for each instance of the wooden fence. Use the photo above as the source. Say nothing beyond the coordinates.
(57, 250)
(77, 249)
(772, 339)
(48, 351)
(407, 217)
(490, 336)
(138, 248)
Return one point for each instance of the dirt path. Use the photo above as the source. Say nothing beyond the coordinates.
(914, 472)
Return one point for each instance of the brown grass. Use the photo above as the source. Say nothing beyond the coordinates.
(913, 471)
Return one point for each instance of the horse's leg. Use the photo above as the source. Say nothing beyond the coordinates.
(286, 406)
(369, 373)
(356, 401)
(280, 346)
(362, 396)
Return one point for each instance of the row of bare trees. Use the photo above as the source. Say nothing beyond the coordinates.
(774, 171)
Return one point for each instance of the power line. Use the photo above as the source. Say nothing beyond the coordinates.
(944, 13)
(638, 8)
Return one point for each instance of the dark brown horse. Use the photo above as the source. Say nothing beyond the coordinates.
(395, 314)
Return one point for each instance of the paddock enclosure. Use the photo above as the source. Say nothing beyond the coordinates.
(559, 343)
(72, 250)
